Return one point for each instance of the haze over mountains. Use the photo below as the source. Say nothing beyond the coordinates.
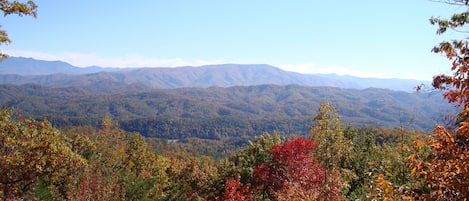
(18, 70)
(210, 101)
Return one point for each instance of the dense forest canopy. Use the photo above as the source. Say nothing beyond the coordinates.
(94, 158)
(251, 109)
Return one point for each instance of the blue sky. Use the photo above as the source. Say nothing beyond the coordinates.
(361, 38)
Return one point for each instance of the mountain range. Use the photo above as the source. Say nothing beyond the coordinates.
(19, 70)
(210, 101)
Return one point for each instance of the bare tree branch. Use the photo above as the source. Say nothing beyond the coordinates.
(453, 2)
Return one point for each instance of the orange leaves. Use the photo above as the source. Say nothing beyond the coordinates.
(418, 144)
(445, 170)
(383, 189)
(412, 157)
(385, 184)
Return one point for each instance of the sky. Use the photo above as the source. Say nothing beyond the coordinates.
(384, 39)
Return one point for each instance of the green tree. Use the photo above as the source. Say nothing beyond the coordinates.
(147, 171)
(362, 162)
(257, 152)
(121, 165)
(17, 8)
(333, 149)
(193, 176)
(105, 149)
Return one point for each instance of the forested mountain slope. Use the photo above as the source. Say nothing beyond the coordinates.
(60, 74)
(216, 111)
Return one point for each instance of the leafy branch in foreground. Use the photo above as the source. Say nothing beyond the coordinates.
(446, 169)
(16, 8)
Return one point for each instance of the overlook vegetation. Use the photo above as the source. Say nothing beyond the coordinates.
(264, 142)
(72, 143)
(85, 163)
(218, 158)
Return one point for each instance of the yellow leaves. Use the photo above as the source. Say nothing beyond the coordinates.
(412, 157)
(15, 7)
(447, 48)
(332, 147)
(413, 171)
(458, 170)
(106, 124)
(29, 150)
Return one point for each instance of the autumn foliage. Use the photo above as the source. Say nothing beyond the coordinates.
(32, 150)
(40, 162)
(292, 168)
(292, 174)
(446, 169)
(236, 191)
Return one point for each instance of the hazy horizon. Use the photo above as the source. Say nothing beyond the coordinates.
(365, 39)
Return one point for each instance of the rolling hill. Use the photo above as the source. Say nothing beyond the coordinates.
(19, 70)
(210, 101)
(232, 111)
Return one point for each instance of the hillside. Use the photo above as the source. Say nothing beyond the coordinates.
(215, 111)
(60, 74)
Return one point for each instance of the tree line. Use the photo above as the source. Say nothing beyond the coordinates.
(333, 162)
(108, 163)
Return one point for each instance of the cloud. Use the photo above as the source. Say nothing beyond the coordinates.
(310, 68)
(85, 60)
(134, 60)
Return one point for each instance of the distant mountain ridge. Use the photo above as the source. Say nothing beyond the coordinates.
(18, 70)
(29, 66)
